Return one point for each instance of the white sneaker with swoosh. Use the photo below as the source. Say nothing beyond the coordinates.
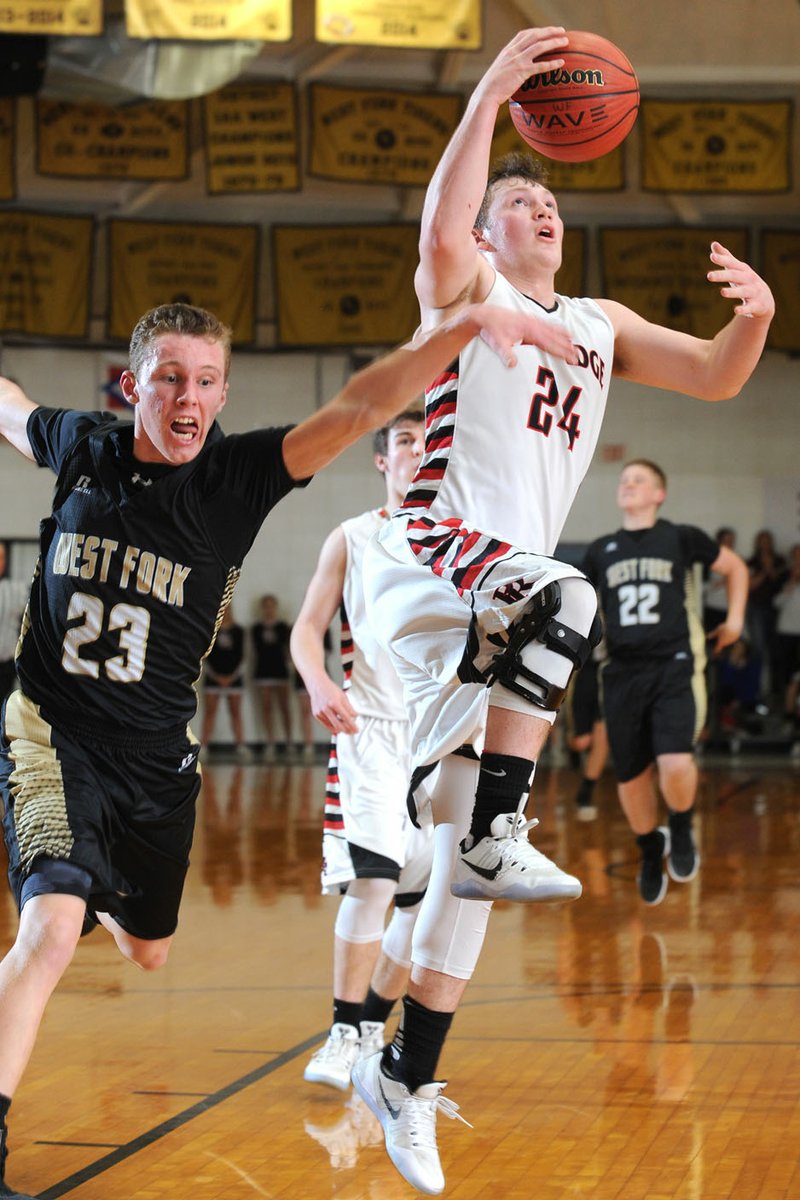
(409, 1122)
(505, 866)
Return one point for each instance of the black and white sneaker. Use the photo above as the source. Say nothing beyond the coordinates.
(683, 861)
(505, 866)
(652, 878)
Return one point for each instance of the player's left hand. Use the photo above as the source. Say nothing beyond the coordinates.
(504, 328)
(741, 283)
(724, 635)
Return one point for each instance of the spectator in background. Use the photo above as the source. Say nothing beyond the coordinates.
(224, 676)
(766, 572)
(787, 604)
(13, 598)
(270, 637)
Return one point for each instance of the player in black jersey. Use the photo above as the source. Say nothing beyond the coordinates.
(151, 521)
(653, 688)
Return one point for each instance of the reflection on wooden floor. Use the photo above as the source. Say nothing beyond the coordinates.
(604, 1049)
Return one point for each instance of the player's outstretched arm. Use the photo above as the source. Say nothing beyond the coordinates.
(734, 571)
(372, 396)
(15, 408)
(450, 266)
(715, 369)
(329, 703)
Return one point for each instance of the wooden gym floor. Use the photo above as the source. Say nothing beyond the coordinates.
(604, 1049)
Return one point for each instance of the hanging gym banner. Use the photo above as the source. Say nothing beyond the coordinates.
(210, 20)
(571, 277)
(661, 274)
(379, 136)
(780, 258)
(83, 18)
(345, 285)
(604, 174)
(8, 126)
(45, 274)
(212, 266)
(251, 139)
(716, 146)
(92, 141)
(418, 24)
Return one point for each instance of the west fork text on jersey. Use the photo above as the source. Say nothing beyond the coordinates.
(87, 556)
(629, 570)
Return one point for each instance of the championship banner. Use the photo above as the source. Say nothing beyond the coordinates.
(418, 24)
(8, 126)
(716, 146)
(661, 274)
(604, 174)
(210, 20)
(92, 141)
(45, 274)
(379, 136)
(211, 266)
(83, 18)
(345, 285)
(251, 139)
(571, 276)
(780, 260)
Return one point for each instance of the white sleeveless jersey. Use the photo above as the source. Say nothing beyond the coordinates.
(370, 679)
(506, 450)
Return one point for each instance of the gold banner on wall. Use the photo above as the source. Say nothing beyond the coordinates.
(210, 20)
(780, 255)
(661, 274)
(67, 17)
(604, 174)
(212, 266)
(251, 139)
(420, 24)
(92, 141)
(715, 146)
(571, 277)
(45, 274)
(379, 136)
(345, 285)
(8, 126)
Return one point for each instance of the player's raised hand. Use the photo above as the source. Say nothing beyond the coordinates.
(740, 283)
(503, 329)
(516, 62)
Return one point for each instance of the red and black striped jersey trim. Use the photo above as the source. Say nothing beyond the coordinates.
(441, 399)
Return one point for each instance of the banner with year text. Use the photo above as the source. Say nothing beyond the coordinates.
(417, 24)
(379, 136)
(661, 275)
(211, 266)
(780, 254)
(251, 139)
(92, 141)
(45, 274)
(345, 285)
(716, 146)
(8, 129)
(210, 20)
(83, 18)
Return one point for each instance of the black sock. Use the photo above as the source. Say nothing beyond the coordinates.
(585, 791)
(681, 820)
(413, 1054)
(502, 782)
(651, 844)
(376, 1008)
(346, 1012)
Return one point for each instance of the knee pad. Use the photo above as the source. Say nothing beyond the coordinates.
(362, 911)
(559, 622)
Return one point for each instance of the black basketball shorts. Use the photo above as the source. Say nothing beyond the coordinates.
(122, 816)
(650, 709)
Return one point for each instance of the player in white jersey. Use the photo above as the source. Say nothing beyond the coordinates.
(372, 854)
(458, 586)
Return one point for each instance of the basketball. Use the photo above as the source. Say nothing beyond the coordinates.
(583, 109)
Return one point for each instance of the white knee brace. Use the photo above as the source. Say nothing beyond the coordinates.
(362, 911)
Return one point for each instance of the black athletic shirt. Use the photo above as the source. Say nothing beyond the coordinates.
(646, 585)
(137, 562)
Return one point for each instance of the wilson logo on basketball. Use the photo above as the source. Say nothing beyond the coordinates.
(559, 78)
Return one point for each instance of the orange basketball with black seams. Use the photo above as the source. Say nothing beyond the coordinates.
(582, 110)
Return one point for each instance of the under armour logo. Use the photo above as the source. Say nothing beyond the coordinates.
(140, 479)
(509, 593)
